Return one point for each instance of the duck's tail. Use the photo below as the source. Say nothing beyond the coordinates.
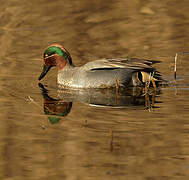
(143, 77)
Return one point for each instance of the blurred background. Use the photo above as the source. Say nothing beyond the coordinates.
(89, 142)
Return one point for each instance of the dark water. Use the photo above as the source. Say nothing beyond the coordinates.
(146, 139)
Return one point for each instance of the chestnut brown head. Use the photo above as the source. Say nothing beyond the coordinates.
(55, 55)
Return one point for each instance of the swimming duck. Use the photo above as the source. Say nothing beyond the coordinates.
(103, 73)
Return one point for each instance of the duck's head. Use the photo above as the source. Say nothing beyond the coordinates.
(55, 55)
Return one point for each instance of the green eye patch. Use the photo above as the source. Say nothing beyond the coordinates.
(55, 50)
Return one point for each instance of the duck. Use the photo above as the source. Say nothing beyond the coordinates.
(102, 73)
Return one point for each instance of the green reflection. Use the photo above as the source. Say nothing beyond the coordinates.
(54, 120)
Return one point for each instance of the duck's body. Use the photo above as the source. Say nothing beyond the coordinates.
(104, 73)
(80, 77)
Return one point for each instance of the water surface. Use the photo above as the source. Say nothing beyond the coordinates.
(92, 142)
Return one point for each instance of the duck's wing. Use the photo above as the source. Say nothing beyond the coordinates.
(142, 66)
(126, 63)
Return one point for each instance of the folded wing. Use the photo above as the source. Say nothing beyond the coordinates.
(130, 63)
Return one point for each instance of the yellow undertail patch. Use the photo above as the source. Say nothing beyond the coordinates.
(146, 77)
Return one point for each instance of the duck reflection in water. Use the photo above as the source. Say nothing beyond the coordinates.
(135, 97)
(54, 107)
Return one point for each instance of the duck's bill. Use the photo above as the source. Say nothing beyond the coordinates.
(44, 72)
